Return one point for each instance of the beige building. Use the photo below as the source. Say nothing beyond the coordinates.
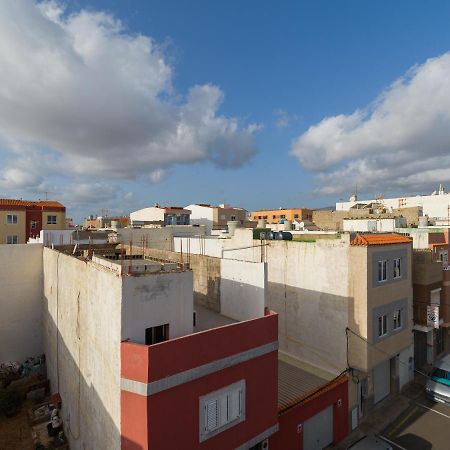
(281, 214)
(216, 217)
(22, 219)
(343, 304)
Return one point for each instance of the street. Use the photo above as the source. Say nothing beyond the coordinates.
(424, 425)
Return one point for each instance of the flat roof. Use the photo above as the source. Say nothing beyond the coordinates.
(208, 319)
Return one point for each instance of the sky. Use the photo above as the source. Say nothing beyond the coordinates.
(116, 105)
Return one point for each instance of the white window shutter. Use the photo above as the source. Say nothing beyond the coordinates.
(234, 405)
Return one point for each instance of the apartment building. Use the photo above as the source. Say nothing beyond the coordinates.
(161, 215)
(22, 219)
(343, 303)
(431, 302)
(281, 214)
(216, 217)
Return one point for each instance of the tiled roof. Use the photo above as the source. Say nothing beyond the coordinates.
(13, 202)
(380, 239)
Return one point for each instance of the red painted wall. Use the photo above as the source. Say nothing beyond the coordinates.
(288, 437)
(171, 418)
(30, 215)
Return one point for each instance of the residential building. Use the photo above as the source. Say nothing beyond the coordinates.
(161, 215)
(435, 205)
(22, 219)
(374, 224)
(93, 222)
(431, 300)
(216, 217)
(344, 303)
(281, 214)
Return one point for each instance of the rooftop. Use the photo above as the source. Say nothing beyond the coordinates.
(380, 239)
(25, 203)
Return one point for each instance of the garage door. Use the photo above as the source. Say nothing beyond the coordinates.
(381, 381)
(318, 431)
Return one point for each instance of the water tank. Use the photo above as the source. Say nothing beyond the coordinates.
(287, 236)
(287, 225)
(261, 223)
(232, 225)
(423, 221)
(279, 235)
(269, 236)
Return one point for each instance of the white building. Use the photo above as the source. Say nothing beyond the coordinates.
(436, 205)
(162, 215)
(373, 225)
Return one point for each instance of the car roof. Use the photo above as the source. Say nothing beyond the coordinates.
(370, 443)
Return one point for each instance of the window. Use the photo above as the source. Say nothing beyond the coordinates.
(295, 216)
(283, 216)
(11, 219)
(33, 224)
(153, 335)
(382, 270)
(443, 256)
(11, 239)
(222, 409)
(194, 318)
(397, 268)
(274, 217)
(233, 217)
(264, 217)
(51, 220)
(397, 319)
(382, 325)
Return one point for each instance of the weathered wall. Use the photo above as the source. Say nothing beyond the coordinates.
(309, 289)
(152, 237)
(206, 270)
(82, 310)
(20, 302)
(157, 299)
(243, 288)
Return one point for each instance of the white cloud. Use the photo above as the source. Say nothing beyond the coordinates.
(399, 142)
(101, 100)
(283, 118)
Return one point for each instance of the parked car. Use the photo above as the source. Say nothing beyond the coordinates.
(438, 385)
(370, 443)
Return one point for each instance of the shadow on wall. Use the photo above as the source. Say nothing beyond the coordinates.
(87, 423)
(312, 325)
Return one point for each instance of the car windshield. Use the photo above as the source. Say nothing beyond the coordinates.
(441, 376)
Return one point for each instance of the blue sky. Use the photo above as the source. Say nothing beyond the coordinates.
(298, 61)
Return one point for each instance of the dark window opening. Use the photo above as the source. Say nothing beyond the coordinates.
(153, 335)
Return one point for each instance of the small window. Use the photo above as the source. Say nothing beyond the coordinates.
(264, 217)
(11, 239)
(295, 216)
(382, 326)
(194, 319)
(274, 217)
(233, 217)
(33, 225)
(397, 268)
(382, 270)
(397, 319)
(153, 335)
(11, 219)
(222, 409)
(283, 216)
(51, 220)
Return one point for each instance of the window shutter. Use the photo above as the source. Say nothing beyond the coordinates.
(233, 400)
(212, 415)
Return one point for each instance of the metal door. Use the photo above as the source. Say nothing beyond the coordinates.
(318, 430)
(382, 381)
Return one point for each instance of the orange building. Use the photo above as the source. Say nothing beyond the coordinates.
(281, 214)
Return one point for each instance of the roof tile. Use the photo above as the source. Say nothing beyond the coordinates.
(380, 239)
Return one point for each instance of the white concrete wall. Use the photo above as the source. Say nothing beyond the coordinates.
(157, 299)
(187, 230)
(82, 334)
(21, 283)
(147, 215)
(202, 215)
(243, 288)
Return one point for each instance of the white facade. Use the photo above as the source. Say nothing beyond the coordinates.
(373, 225)
(20, 302)
(67, 237)
(152, 214)
(202, 215)
(434, 206)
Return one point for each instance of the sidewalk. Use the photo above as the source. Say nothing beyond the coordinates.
(383, 415)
